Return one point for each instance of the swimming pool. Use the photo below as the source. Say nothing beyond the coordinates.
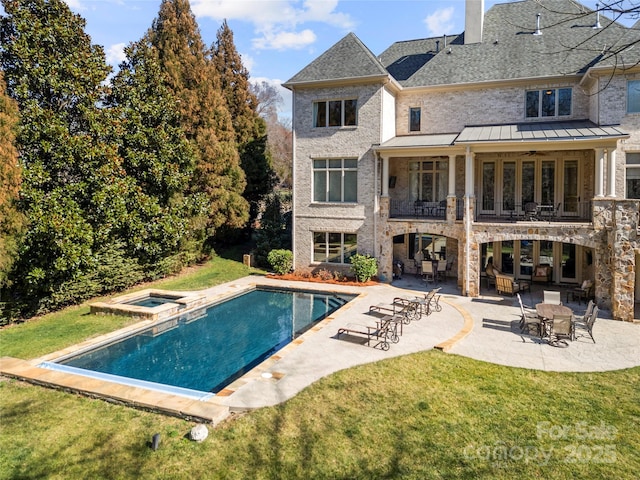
(204, 351)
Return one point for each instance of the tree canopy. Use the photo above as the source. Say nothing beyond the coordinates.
(193, 80)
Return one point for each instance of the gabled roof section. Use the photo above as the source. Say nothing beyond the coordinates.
(568, 45)
(347, 59)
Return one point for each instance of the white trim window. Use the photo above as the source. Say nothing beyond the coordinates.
(335, 113)
(633, 96)
(335, 180)
(632, 175)
(549, 102)
(333, 247)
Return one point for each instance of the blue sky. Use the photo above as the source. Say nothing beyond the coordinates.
(277, 38)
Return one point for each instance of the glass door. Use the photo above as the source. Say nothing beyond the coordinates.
(528, 184)
(488, 187)
(508, 187)
(569, 265)
(526, 259)
(570, 196)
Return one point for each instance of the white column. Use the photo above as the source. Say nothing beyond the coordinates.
(385, 176)
(452, 176)
(599, 172)
(611, 172)
(468, 173)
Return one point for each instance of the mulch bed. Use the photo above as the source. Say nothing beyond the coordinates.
(301, 278)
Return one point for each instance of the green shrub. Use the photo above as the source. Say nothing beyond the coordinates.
(281, 261)
(363, 267)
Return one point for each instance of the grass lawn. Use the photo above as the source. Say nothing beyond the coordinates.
(426, 415)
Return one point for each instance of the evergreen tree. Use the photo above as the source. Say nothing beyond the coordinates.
(74, 191)
(250, 129)
(158, 158)
(11, 219)
(204, 116)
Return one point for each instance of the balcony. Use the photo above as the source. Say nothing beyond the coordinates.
(577, 212)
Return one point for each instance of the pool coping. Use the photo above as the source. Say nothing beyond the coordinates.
(208, 410)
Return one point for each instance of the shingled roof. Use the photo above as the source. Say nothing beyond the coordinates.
(347, 59)
(568, 45)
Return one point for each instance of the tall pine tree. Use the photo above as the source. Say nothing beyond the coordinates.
(250, 129)
(204, 116)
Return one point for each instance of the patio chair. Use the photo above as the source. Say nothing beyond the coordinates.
(588, 323)
(582, 319)
(427, 271)
(562, 326)
(584, 291)
(442, 270)
(531, 211)
(552, 297)
(529, 318)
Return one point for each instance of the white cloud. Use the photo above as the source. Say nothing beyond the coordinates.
(75, 5)
(115, 54)
(248, 61)
(439, 22)
(284, 40)
(276, 22)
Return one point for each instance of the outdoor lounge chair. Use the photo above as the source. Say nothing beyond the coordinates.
(542, 273)
(507, 284)
(384, 330)
(405, 310)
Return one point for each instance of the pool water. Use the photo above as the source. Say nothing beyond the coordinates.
(208, 352)
(152, 301)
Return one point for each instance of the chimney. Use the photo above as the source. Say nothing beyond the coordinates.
(473, 21)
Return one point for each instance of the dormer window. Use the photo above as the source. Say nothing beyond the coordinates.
(550, 102)
(335, 113)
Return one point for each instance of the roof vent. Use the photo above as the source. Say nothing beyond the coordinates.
(437, 46)
(597, 25)
(538, 31)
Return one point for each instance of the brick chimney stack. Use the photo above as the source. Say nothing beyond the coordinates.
(473, 21)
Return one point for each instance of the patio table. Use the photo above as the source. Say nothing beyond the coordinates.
(546, 312)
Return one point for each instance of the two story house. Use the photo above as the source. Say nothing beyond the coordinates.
(516, 142)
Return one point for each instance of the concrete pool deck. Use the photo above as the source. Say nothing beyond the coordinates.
(483, 328)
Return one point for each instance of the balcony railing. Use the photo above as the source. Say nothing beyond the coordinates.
(533, 212)
(417, 209)
(496, 212)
